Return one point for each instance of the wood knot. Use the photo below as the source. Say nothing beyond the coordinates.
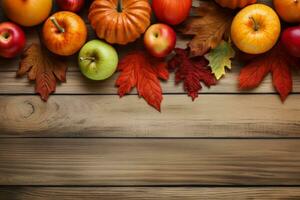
(29, 109)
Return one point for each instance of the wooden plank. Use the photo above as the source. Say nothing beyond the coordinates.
(109, 116)
(143, 193)
(78, 84)
(146, 162)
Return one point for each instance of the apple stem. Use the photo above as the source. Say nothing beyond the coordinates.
(54, 21)
(256, 25)
(5, 35)
(92, 59)
(120, 6)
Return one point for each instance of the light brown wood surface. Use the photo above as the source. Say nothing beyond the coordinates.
(145, 193)
(99, 162)
(86, 143)
(109, 116)
(78, 84)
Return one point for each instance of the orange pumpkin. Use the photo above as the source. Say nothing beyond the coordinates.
(120, 21)
(233, 4)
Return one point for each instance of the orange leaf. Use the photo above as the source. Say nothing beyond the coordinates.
(208, 25)
(42, 67)
(278, 62)
(142, 71)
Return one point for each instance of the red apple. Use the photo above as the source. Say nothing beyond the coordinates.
(70, 5)
(12, 40)
(171, 12)
(291, 40)
(160, 40)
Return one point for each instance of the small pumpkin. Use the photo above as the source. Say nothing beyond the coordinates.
(120, 21)
(233, 4)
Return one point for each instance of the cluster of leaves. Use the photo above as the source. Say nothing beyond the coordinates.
(206, 58)
(208, 25)
(139, 69)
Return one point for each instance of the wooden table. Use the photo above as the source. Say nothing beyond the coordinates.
(86, 143)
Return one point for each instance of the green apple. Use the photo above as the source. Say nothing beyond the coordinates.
(98, 60)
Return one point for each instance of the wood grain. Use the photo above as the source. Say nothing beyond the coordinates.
(110, 116)
(78, 84)
(146, 193)
(100, 162)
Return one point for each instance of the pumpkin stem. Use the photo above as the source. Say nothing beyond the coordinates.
(256, 25)
(54, 21)
(120, 6)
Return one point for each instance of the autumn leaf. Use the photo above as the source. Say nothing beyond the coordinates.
(208, 25)
(142, 71)
(42, 67)
(191, 71)
(277, 62)
(220, 58)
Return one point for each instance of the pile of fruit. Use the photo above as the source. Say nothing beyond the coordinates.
(265, 35)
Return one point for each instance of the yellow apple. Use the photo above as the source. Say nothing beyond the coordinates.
(27, 12)
(255, 29)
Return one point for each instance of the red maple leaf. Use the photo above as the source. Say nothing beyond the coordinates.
(277, 62)
(191, 71)
(143, 71)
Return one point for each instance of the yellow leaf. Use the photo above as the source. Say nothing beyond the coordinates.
(220, 58)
